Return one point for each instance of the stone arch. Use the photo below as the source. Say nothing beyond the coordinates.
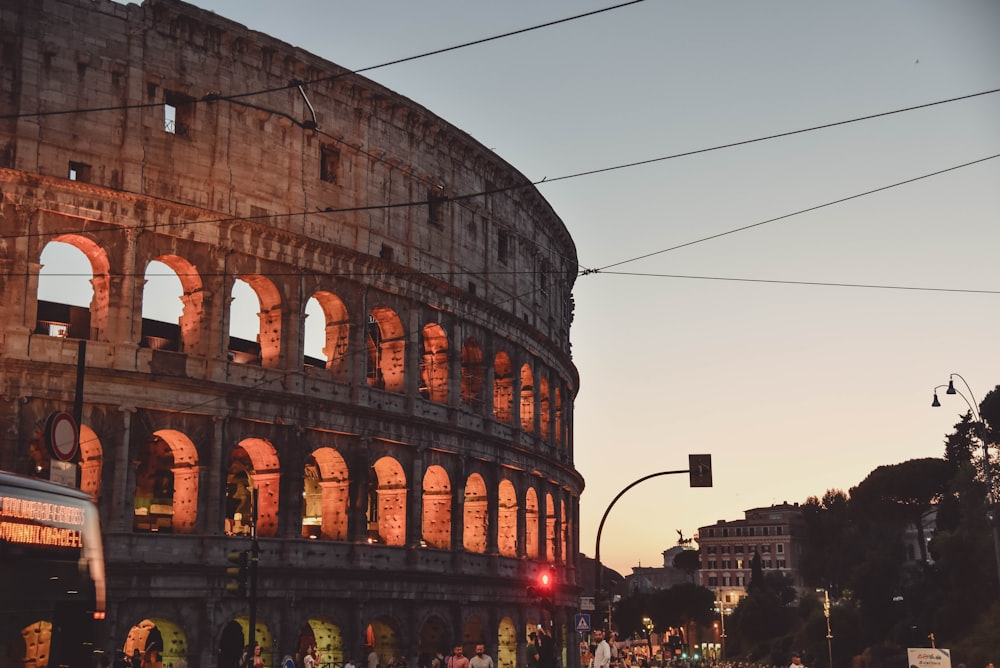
(253, 466)
(475, 514)
(326, 637)
(527, 399)
(435, 528)
(507, 638)
(262, 636)
(472, 373)
(473, 632)
(550, 529)
(563, 532)
(161, 643)
(268, 343)
(531, 523)
(91, 462)
(507, 519)
(326, 498)
(432, 638)
(384, 636)
(80, 323)
(503, 388)
(387, 503)
(544, 406)
(434, 364)
(386, 347)
(166, 483)
(334, 335)
(190, 328)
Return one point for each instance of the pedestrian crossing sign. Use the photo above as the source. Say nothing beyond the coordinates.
(582, 623)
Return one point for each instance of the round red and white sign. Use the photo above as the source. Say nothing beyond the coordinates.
(63, 436)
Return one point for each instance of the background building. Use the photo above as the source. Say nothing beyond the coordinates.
(726, 549)
(415, 474)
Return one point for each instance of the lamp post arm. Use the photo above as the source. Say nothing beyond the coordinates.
(600, 527)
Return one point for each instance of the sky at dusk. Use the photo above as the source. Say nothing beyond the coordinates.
(775, 303)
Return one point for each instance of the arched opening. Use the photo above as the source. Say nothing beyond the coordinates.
(382, 637)
(163, 303)
(160, 643)
(434, 364)
(473, 633)
(327, 334)
(73, 289)
(563, 532)
(387, 503)
(507, 520)
(550, 529)
(472, 373)
(255, 321)
(386, 346)
(166, 484)
(507, 637)
(503, 388)
(435, 528)
(325, 496)
(544, 406)
(91, 462)
(262, 636)
(531, 523)
(476, 517)
(231, 644)
(325, 639)
(527, 399)
(433, 640)
(253, 466)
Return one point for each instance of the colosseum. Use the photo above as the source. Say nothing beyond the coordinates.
(391, 429)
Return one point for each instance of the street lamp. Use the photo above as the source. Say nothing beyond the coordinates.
(647, 625)
(991, 506)
(829, 633)
(722, 621)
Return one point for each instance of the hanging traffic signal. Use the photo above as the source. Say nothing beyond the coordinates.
(543, 588)
(700, 470)
(238, 575)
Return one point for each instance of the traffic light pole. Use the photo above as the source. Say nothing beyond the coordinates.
(701, 476)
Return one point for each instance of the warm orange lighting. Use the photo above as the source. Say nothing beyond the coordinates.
(98, 614)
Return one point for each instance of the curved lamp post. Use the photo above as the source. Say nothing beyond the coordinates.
(991, 506)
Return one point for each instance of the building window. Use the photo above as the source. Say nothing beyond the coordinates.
(711, 549)
(725, 533)
(778, 531)
(178, 113)
(781, 563)
(751, 531)
(764, 529)
(738, 549)
(329, 163)
(711, 533)
(711, 563)
(435, 210)
(503, 246)
(781, 548)
(713, 581)
(79, 171)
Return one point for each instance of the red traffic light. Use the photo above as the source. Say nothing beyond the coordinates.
(546, 580)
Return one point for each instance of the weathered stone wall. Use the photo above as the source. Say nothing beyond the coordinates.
(377, 212)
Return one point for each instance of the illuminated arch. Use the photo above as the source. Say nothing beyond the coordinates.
(550, 529)
(160, 641)
(91, 462)
(387, 503)
(434, 364)
(559, 418)
(435, 528)
(544, 406)
(433, 637)
(166, 484)
(336, 329)
(527, 399)
(382, 633)
(326, 498)
(326, 637)
(253, 465)
(507, 640)
(269, 329)
(475, 514)
(192, 299)
(531, 523)
(503, 388)
(563, 531)
(507, 520)
(386, 348)
(472, 373)
(94, 322)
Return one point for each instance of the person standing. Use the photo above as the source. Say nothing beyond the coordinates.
(458, 658)
(309, 660)
(534, 655)
(796, 661)
(372, 657)
(481, 659)
(602, 654)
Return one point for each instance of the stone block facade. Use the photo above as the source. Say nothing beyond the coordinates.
(413, 476)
